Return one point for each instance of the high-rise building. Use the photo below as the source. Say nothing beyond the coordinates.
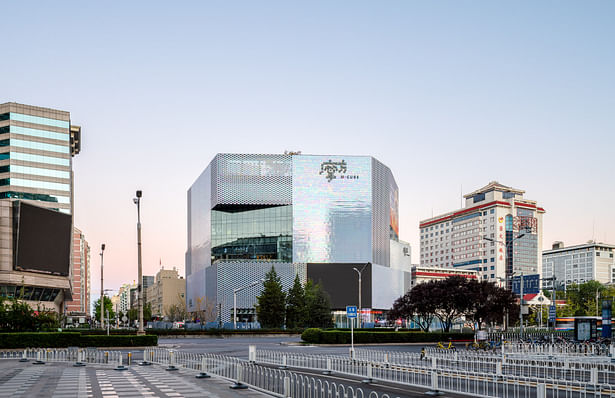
(498, 233)
(80, 304)
(592, 261)
(36, 203)
(317, 217)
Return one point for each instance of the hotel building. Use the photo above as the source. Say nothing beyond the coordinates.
(460, 239)
(36, 150)
(313, 216)
(578, 264)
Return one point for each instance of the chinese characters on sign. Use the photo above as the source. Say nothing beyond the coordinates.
(335, 170)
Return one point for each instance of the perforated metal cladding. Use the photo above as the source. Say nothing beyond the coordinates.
(381, 212)
(235, 274)
(250, 179)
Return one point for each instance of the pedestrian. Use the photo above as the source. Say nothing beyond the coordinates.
(422, 353)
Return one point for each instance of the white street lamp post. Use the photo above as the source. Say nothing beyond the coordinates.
(102, 291)
(137, 201)
(235, 291)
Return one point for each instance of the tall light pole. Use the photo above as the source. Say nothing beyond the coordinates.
(137, 201)
(506, 245)
(235, 291)
(360, 308)
(102, 291)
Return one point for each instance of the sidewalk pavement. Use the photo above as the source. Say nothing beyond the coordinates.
(62, 380)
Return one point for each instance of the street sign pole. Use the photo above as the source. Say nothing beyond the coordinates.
(351, 312)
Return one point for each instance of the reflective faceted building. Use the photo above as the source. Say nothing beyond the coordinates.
(313, 216)
(36, 203)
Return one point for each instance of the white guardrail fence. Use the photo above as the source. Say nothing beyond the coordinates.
(242, 373)
(514, 370)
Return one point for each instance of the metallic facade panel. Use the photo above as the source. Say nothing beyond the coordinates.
(199, 222)
(332, 209)
(251, 179)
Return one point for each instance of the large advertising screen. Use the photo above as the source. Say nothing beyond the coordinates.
(43, 239)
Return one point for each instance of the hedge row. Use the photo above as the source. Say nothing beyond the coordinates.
(71, 339)
(317, 336)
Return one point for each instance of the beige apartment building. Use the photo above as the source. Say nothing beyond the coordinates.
(169, 289)
(36, 204)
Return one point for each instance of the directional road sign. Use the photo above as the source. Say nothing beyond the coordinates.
(351, 311)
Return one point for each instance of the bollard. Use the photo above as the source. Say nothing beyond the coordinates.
(328, 370)
(239, 376)
(287, 387)
(24, 357)
(145, 362)
(38, 359)
(203, 374)
(252, 353)
(369, 374)
(106, 360)
(78, 363)
(129, 358)
(171, 366)
(284, 363)
(119, 365)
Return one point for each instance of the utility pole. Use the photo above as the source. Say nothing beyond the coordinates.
(102, 291)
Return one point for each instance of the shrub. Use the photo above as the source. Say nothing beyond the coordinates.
(369, 337)
(71, 339)
(311, 335)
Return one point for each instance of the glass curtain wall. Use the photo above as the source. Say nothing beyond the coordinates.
(252, 233)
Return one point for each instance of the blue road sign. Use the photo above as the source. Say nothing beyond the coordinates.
(351, 311)
(531, 284)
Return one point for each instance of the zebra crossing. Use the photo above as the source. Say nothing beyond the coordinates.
(62, 380)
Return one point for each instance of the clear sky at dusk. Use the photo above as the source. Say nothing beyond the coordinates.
(447, 94)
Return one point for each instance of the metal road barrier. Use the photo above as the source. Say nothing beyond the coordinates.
(462, 372)
(277, 382)
(81, 355)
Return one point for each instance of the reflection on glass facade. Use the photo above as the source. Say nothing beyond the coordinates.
(39, 145)
(29, 157)
(39, 120)
(37, 171)
(252, 233)
(332, 209)
(35, 196)
(36, 133)
(35, 184)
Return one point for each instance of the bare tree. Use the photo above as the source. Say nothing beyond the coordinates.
(177, 311)
(206, 310)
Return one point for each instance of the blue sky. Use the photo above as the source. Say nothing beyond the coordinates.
(450, 95)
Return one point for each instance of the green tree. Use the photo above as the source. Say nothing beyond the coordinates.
(271, 304)
(318, 306)
(133, 314)
(582, 298)
(296, 309)
(107, 306)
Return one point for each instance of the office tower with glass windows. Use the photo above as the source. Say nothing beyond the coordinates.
(36, 203)
(309, 215)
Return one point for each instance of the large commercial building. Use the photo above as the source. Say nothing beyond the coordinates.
(460, 238)
(79, 306)
(427, 274)
(313, 216)
(36, 203)
(577, 264)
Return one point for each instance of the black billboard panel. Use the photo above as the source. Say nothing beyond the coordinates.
(341, 282)
(42, 239)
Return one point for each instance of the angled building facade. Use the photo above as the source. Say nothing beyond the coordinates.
(308, 215)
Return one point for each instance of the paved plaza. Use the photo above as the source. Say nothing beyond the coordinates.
(62, 380)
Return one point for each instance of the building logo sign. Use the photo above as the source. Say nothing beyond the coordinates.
(334, 170)
(500, 219)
